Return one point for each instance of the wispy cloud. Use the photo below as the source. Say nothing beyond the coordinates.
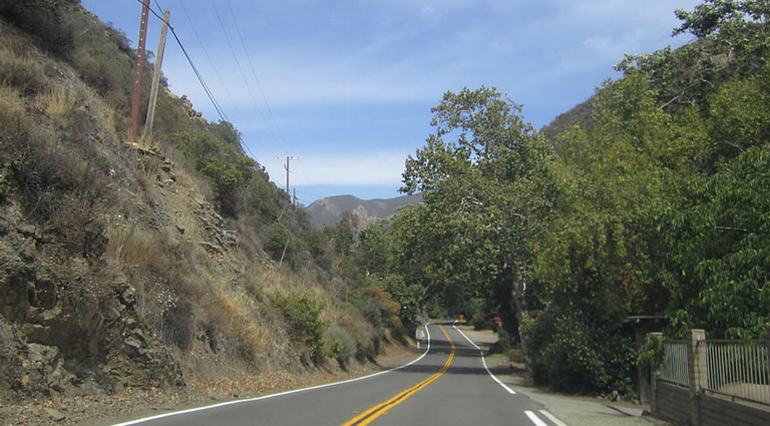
(357, 168)
(337, 72)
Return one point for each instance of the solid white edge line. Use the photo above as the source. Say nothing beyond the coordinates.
(535, 419)
(484, 362)
(552, 418)
(259, 398)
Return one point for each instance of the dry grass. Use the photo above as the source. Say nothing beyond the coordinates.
(132, 246)
(23, 72)
(12, 119)
(57, 101)
(182, 294)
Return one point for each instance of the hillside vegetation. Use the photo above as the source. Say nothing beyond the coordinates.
(127, 267)
(656, 204)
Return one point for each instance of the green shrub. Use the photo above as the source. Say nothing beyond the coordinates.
(277, 240)
(303, 313)
(650, 356)
(565, 353)
(477, 314)
(377, 305)
(435, 309)
(341, 345)
(503, 344)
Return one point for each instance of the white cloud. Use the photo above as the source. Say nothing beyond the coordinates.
(499, 39)
(427, 11)
(358, 168)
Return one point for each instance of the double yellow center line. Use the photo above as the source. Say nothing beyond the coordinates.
(378, 410)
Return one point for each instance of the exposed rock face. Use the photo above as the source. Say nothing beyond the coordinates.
(360, 218)
(56, 334)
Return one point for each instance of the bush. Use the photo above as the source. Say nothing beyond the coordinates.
(48, 20)
(25, 74)
(477, 314)
(434, 309)
(377, 305)
(567, 354)
(650, 356)
(503, 344)
(303, 313)
(341, 345)
(60, 184)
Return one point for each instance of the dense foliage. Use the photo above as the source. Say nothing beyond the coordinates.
(656, 205)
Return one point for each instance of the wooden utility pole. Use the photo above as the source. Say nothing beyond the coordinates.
(287, 167)
(139, 69)
(147, 134)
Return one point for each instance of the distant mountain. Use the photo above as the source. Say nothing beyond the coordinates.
(328, 211)
(581, 114)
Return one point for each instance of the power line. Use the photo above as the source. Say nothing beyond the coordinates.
(254, 74)
(208, 57)
(209, 93)
(240, 70)
(273, 127)
(198, 75)
(217, 73)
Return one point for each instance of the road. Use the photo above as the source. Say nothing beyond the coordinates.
(448, 385)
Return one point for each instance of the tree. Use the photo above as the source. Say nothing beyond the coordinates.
(487, 186)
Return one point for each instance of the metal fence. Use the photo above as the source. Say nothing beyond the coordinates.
(675, 366)
(737, 368)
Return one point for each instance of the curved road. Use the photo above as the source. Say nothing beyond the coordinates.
(448, 385)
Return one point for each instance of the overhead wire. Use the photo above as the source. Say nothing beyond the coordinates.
(217, 107)
(208, 57)
(207, 90)
(197, 73)
(217, 73)
(240, 70)
(265, 119)
(271, 122)
(271, 116)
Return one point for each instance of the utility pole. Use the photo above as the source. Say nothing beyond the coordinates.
(147, 134)
(139, 69)
(287, 167)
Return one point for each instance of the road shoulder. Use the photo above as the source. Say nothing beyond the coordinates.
(572, 410)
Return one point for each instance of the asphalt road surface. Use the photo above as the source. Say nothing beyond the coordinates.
(448, 385)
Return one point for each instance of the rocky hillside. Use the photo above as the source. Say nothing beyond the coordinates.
(127, 267)
(330, 210)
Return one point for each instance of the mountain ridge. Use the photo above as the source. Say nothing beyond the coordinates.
(328, 211)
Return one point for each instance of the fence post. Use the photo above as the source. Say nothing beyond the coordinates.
(767, 341)
(653, 378)
(696, 354)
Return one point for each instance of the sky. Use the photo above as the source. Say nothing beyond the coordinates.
(346, 86)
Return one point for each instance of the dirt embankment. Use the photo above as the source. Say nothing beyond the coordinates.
(136, 402)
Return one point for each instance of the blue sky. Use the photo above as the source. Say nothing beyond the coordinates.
(347, 85)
